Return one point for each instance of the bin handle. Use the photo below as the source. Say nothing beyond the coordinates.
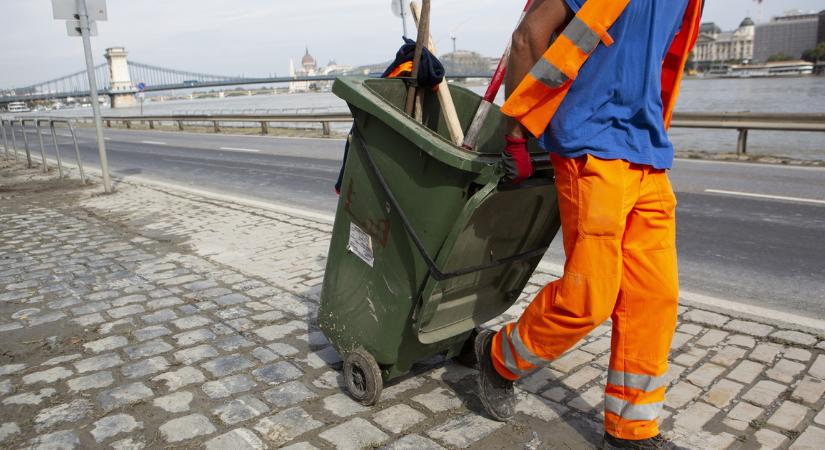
(434, 271)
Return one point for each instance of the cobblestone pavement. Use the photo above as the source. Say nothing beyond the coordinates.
(152, 319)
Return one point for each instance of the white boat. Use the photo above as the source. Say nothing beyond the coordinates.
(774, 69)
(18, 107)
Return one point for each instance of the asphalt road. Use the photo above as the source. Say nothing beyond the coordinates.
(749, 233)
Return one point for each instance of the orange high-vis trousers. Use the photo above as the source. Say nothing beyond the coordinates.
(618, 225)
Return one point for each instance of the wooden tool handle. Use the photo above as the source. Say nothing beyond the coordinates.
(444, 97)
(471, 139)
(423, 32)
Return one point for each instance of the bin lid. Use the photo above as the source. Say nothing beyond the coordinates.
(384, 98)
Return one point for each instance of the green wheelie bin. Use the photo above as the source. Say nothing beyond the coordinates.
(428, 242)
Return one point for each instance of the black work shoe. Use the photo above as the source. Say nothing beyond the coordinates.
(496, 392)
(657, 442)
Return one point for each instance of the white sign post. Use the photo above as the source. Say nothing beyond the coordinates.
(76, 10)
(141, 95)
(68, 10)
(399, 8)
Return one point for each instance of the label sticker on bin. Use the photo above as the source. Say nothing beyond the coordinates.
(360, 243)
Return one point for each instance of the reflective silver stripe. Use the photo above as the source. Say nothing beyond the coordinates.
(522, 350)
(629, 411)
(645, 383)
(548, 74)
(580, 34)
(509, 360)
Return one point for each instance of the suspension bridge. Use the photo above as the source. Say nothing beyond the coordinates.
(118, 78)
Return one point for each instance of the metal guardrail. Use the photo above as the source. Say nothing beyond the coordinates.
(13, 151)
(325, 119)
(743, 122)
(260, 111)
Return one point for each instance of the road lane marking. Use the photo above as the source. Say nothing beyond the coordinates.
(237, 149)
(286, 172)
(107, 139)
(772, 197)
(153, 142)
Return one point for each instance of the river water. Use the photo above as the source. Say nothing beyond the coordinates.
(766, 95)
(772, 95)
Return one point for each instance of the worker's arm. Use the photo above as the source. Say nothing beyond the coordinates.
(530, 41)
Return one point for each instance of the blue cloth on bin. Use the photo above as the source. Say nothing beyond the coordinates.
(430, 70)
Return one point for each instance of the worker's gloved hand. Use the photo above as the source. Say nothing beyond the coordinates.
(517, 163)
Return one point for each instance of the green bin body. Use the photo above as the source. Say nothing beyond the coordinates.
(480, 239)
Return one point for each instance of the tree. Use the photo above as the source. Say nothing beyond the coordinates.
(815, 54)
(780, 57)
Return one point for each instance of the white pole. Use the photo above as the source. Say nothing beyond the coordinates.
(403, 16)
(85, 31)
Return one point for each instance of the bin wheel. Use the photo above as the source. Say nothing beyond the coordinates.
(363, 377)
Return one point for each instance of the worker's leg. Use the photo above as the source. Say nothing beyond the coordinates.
(645, 315)
(594, 197)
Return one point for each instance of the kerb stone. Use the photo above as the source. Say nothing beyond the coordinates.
(789, 416)
(706, 318)
(123, 395)
(237, 439)
(463, 431)
(354, 435)
(185, 428)
(285, 426)
(398, 418)
(113, 425)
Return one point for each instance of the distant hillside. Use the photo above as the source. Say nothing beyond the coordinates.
(371, 68)
(465, 62)
(462, 62)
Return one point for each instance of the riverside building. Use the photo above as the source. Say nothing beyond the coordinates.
(715, 47)
(789, 35)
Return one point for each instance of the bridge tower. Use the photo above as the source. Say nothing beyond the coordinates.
(122, 92)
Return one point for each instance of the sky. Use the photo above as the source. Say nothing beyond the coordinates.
(258, 37)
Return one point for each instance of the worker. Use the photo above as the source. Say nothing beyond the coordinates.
(599, 99)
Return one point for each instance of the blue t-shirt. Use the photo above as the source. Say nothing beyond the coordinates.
(614, 108)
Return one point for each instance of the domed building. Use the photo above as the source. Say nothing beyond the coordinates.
(717, 47)
(309, 68)
(308, 62)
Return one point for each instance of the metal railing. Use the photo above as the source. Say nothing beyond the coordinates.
(260, 111)
(745, 121)
(36, 122)
(741, 122)
(325, 119)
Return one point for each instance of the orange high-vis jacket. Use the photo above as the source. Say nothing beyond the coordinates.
(541, 92)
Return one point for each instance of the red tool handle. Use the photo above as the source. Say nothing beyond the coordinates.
(501, 70)
(471, 138)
